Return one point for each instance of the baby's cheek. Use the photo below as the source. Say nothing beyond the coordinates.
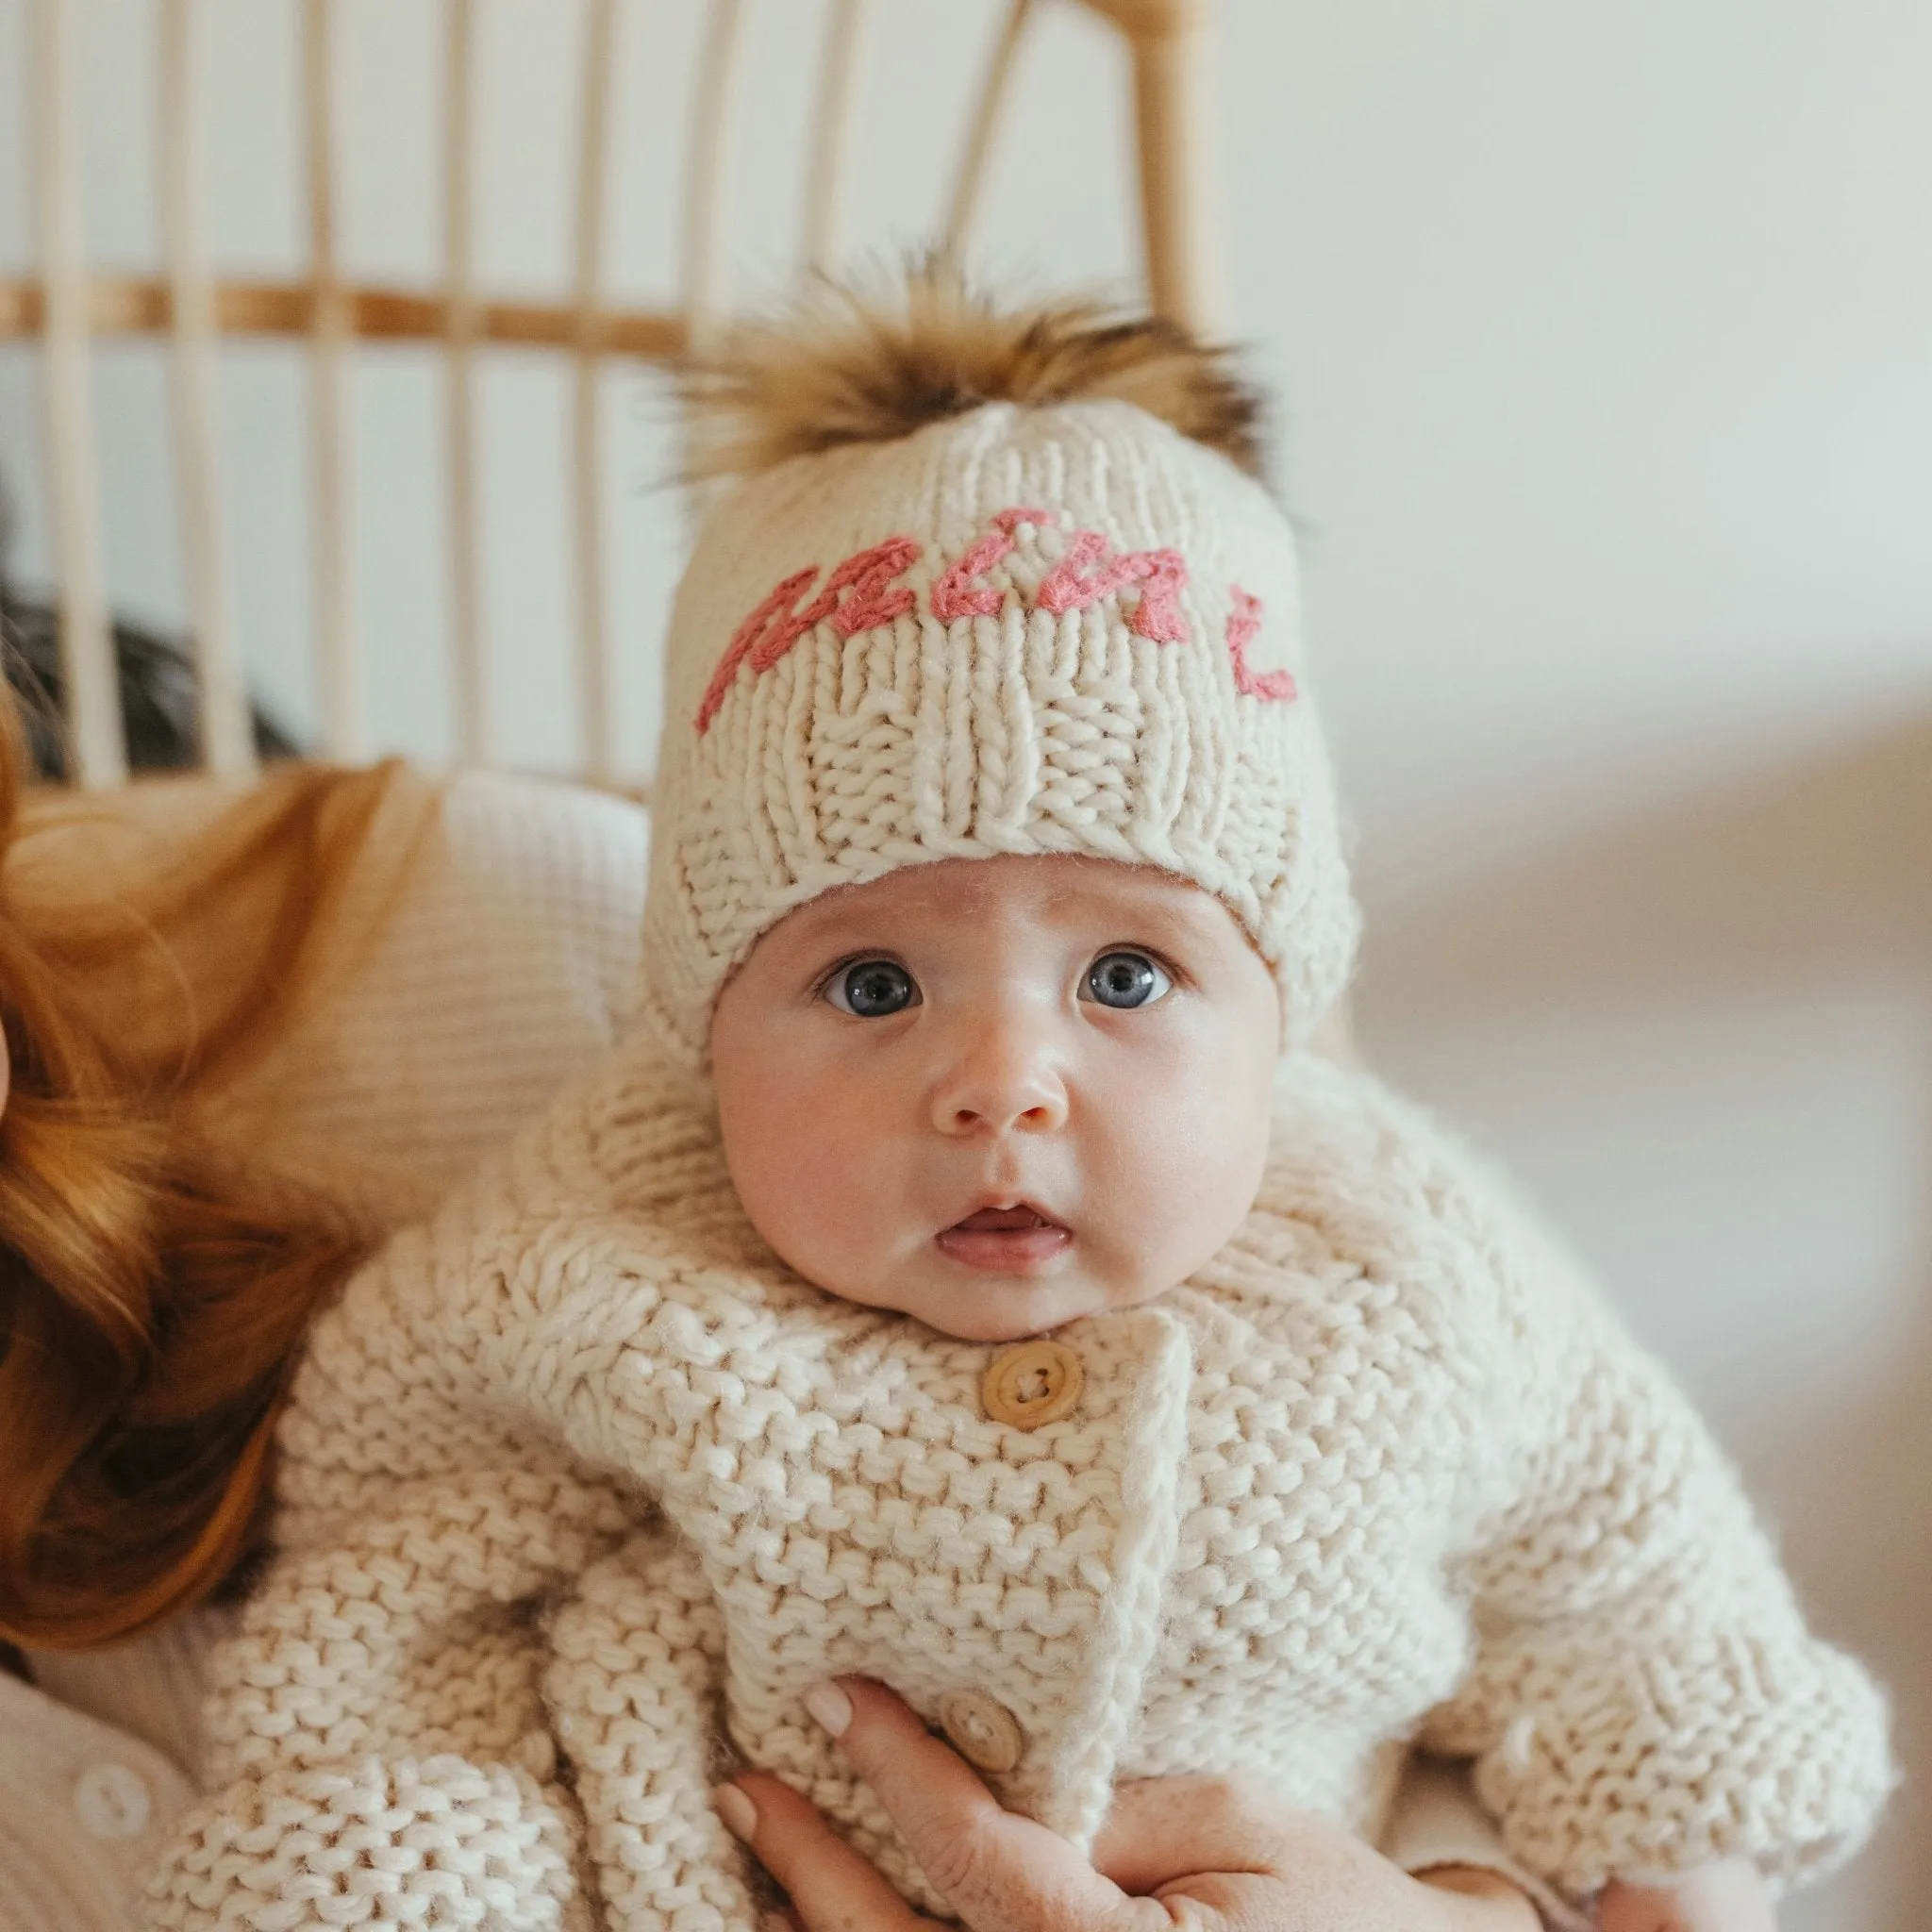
(791, 1173)
(1178, 1182)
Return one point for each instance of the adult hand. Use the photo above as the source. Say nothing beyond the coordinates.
(1199, 1853)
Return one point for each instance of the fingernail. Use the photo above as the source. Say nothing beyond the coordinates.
(829, 1707)
(740, 1814)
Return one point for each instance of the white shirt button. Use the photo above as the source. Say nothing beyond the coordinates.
(112, 1801)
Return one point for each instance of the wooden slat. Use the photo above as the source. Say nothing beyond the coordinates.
(86, 652)
(471, 694)
(1135, 17)
(1170, 44)
(1176, 198)
(832, 134)
(134, 305)
(344, 708)
(227, 743)
(596, 674)
(987, 109)
(713, 100)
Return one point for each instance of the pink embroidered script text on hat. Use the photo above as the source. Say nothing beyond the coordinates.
(864, 591)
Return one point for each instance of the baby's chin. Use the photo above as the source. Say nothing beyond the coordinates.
(999, 1307)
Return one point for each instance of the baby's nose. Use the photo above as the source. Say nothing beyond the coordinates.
(1040, 1116)
(1001, 1085)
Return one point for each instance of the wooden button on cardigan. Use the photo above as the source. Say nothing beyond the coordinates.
(1033, 1385)
(981, 1729)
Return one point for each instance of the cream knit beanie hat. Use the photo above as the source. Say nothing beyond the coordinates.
(1046, 622)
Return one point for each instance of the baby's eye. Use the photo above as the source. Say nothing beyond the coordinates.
(1125, 979)
(873, 988)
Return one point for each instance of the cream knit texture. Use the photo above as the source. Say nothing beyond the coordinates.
(580, 1490)
(1023, 631)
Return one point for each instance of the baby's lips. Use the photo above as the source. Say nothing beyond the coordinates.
(1005, 1220)
(1016, 1240)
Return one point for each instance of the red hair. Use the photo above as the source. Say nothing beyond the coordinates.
(150, 1300)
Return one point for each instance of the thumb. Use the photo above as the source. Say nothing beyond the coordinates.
(998, 1871)
(1160, 1829)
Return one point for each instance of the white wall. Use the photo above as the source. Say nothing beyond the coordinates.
(1607, 348)
(1606, 339)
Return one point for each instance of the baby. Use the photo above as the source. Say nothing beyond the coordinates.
(971, 1277)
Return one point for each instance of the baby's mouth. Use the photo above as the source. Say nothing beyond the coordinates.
(1004, 1241)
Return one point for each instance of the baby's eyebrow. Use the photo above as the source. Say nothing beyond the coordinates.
(1123, 898)
(1187, 907)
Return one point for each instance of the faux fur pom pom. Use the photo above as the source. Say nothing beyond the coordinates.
(849, 365)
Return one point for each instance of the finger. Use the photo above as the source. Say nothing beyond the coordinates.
(1633, 1909)
(999, 1871)
(831, 1888)
(1484, 1901)
(1160, 1829)
(1731, 1893)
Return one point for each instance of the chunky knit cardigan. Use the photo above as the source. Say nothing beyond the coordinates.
(581, 1488)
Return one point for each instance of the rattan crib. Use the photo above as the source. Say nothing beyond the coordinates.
(68, 306)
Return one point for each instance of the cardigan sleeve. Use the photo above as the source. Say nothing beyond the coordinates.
(1645, 1696)
(380, 1753)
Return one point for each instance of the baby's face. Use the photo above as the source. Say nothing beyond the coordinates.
(999, 1093)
